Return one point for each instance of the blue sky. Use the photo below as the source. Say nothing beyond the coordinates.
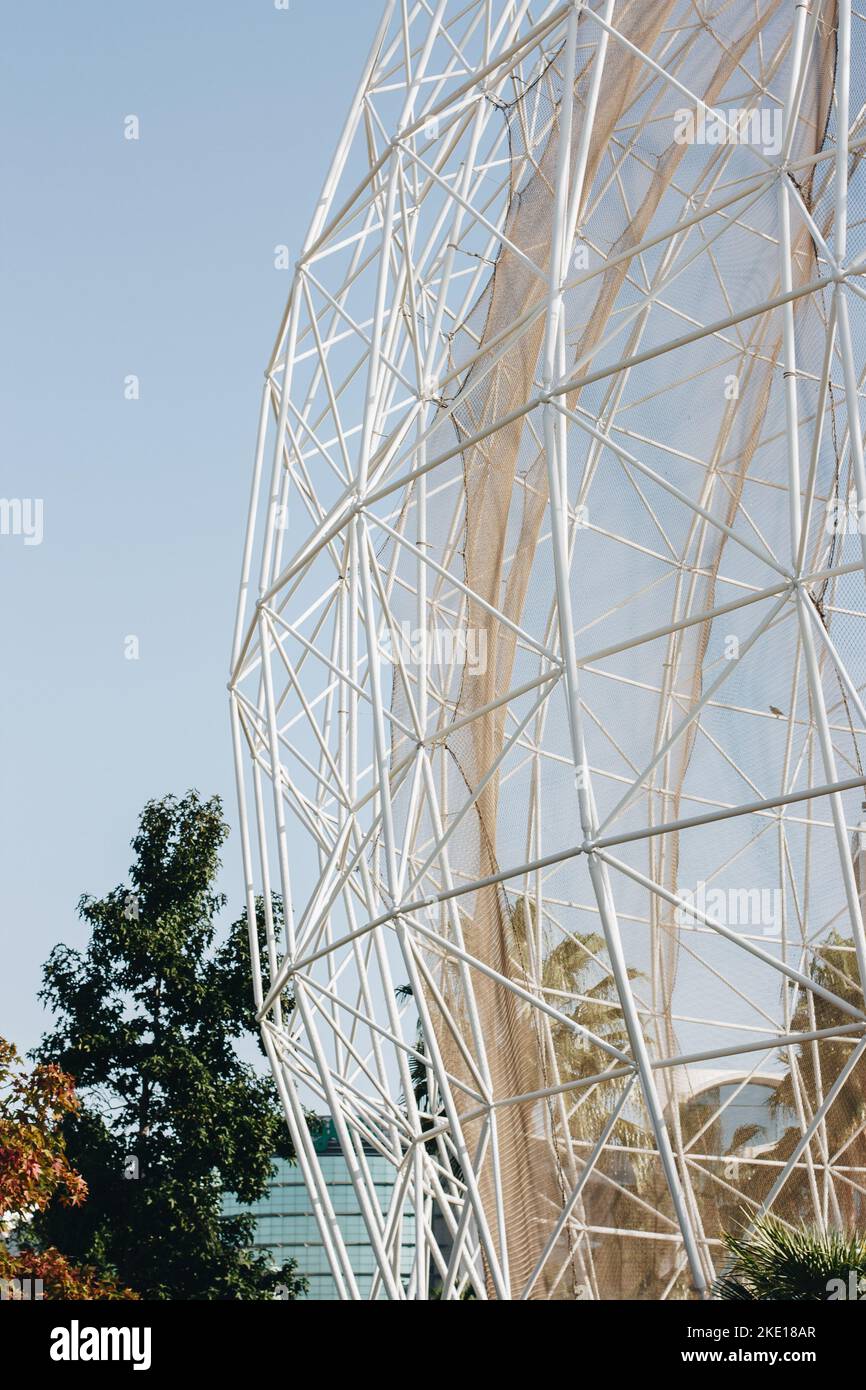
(155, 258)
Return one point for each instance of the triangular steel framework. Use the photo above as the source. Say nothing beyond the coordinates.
(548, 666)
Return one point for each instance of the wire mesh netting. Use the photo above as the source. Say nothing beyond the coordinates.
(547, 685)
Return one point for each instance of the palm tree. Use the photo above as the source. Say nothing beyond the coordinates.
(834, 966)
(627, 1187)
(774, 1262)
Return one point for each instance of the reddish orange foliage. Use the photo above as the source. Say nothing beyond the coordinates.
(33, 1170)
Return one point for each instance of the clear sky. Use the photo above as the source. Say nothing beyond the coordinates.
(152, 258)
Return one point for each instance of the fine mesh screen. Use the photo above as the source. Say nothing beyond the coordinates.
(580, 945)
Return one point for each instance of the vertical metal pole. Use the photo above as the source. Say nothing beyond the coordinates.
(556, 449)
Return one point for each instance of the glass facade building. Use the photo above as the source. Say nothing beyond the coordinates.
(286, 1226)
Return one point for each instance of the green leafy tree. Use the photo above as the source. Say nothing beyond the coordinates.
(148, 1021)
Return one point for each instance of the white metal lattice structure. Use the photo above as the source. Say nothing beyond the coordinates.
(547, 707)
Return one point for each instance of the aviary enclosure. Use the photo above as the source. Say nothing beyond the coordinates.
(547, 683)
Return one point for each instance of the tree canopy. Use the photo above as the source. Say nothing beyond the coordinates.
(148, 1018)
(35, 1170)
